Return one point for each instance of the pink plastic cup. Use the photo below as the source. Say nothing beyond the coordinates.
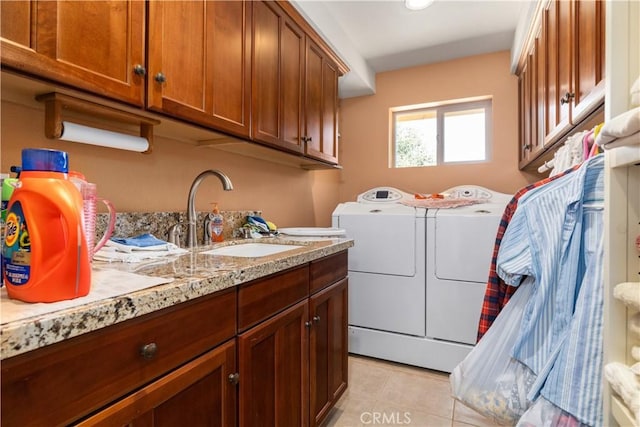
(90, 201)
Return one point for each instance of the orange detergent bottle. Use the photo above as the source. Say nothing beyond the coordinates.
(45, 251)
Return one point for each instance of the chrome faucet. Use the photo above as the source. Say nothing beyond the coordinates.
(191, 210)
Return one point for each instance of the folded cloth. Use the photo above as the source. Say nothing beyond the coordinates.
(620, 126)
(626, 384)
(446, 203)
(635, 92)
(126, 248)
(635, 352)
(626, 140)
(112, 254)
(634, 324)
(628, 293)
(141, 241)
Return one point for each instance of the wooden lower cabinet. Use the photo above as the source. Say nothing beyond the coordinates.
(328, 349)
(273, 362)
(293, 366)
(63, 383)
(271, 352)
(196, 394)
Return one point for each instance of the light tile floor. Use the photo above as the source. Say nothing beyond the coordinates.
(384, 393)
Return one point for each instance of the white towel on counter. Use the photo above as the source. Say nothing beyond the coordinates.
(105, 283)
(625, 124)
(110, 253)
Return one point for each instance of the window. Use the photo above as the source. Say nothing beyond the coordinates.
(436, 134)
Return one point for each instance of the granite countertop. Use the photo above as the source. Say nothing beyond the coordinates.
(192, 275)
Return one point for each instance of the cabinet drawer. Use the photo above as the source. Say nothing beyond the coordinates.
(62, 382)
(197, 393)
(328, 270)
(262, 298)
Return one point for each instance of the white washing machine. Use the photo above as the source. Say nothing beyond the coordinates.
(386, 264)
(460, 244)
(401, 305)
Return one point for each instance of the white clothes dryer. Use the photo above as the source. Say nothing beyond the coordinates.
(460, 245)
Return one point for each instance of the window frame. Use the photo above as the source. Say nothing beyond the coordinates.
(441, 108)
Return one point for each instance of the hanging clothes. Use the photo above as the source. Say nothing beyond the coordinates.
(498, 293)
(570, 154)
(553, 236)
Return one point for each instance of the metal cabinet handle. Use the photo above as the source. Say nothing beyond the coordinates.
(307, 138)
(308, 324)
(234, 378)
(148, 351)
(527, 146)
(139, 70)
(567, 98)
(160, 78)
(316, 319)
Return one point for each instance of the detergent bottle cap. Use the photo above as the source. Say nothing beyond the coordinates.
(46, 160)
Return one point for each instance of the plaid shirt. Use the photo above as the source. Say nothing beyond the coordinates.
(498, 293)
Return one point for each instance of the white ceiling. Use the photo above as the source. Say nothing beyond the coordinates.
(377, 36)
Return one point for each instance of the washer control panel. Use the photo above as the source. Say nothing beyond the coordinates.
(469, 192)
(381, 195)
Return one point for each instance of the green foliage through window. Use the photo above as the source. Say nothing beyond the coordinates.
(447, 133)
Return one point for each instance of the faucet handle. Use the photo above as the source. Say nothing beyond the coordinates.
(174, 233)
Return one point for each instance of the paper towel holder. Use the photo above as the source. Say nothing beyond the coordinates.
(56, 103)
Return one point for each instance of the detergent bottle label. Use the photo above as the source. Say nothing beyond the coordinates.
(17, 247)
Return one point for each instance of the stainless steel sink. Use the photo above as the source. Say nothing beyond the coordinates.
(251, 250)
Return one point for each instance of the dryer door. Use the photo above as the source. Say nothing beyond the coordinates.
(385, 239)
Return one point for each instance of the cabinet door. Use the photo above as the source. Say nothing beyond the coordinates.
(588, 60)
(277, 60)
(522, 112)
(540, 89)
(199, 56)
(92, 45)
(328, 349)
(525, 80)
(565, 41)
(196, 394)
(292, 63)
(321, 105)
(329, 112)
(558, 58)
(273, 364)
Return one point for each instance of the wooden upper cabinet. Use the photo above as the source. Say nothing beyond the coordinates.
(558, 47)
(588, 57)
(564, 42)
(292, 65)
(567, 83)
(92, 45)
(277, 59)
(199, 62)
(321, 105)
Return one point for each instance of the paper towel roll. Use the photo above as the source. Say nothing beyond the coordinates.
(88, 135)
